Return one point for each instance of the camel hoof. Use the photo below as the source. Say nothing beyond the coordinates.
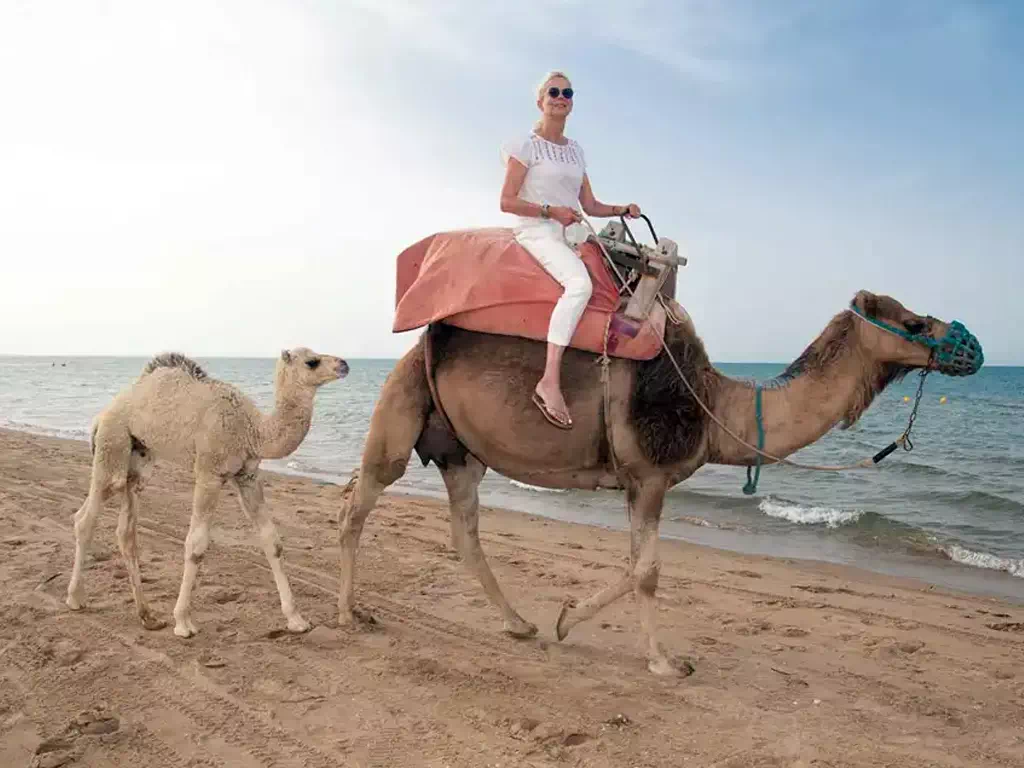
(523, 630)
(356, 618)
(298, 625)
(663, 667)
(562, 631)
(185, 629)
(75, 603)
(151, 623)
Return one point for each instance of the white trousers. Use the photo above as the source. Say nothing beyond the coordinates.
(543, 240)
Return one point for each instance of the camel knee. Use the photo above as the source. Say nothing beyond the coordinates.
(392, 471)
(271, 540)
(645, 577)
(196, 543)
(125, 539)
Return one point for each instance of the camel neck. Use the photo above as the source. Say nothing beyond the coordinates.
(797, 409)
(283, 430)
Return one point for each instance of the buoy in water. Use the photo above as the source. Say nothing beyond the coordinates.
(942, 399)
(906, 398)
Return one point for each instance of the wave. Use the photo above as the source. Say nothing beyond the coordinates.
(965, 556)
(536, 488)
(977, 500)
(67, 433)
(797, 513)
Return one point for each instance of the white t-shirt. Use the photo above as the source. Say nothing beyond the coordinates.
(554, 172)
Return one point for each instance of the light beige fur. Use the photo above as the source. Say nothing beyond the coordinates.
(483, 383)
(175, 412)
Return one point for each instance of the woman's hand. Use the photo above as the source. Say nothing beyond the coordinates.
(632, 211)
(564, 215)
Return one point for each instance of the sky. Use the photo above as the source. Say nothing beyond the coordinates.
(236, 177)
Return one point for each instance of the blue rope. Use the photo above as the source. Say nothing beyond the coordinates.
(751, 487)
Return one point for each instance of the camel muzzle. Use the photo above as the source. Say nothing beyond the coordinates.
(958, 353)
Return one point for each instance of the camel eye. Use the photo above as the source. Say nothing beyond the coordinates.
(312, 364)
(916, 326)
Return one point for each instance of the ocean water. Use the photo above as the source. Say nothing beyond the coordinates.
(951, 512)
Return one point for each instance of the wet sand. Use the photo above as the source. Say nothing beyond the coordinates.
(796, 663)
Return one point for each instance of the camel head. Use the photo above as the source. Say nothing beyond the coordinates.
(303, 368)
(895, 336)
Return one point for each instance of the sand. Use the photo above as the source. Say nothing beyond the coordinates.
(796, 663)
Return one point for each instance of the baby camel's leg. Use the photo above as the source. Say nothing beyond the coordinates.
(111, 454)
(128, 542)
(250, 496)
(204, 500)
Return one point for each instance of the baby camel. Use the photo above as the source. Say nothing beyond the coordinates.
(175, 412)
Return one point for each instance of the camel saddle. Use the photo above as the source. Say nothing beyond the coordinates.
(483, 280)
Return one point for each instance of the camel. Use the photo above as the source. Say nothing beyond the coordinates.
(174, 411)
(655, 434)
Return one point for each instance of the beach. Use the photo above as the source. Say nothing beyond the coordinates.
(796, 662)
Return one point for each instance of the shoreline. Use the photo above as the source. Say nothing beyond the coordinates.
(930, 570)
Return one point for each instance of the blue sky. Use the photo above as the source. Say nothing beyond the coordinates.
(232, 178)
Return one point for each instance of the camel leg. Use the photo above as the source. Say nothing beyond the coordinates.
(250, 496)
(645, 575)
(396, 424)
(642, 576)
(127, 540)
(462, 483)
(204, 500)
(112, 454)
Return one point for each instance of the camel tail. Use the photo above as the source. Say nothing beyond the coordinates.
(175, 360)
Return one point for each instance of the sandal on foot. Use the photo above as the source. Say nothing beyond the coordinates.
(549, 414)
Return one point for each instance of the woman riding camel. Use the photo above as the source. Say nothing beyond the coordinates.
(545, 178)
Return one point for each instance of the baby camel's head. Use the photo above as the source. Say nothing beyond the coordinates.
(304, 368)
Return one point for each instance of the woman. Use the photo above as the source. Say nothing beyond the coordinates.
(545, 177)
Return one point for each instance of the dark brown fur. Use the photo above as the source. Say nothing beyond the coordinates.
(669, 423)
(175, 360)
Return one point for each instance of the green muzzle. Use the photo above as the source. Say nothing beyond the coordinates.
(958, 353)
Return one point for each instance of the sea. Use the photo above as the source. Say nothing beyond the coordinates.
(949, 513)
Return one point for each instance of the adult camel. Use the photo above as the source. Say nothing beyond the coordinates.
(651, 435)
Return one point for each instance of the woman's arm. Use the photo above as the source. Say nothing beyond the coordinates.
(511, 202)
(515, 172)
(594, 207)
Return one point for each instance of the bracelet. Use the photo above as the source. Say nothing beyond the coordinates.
(545, 211)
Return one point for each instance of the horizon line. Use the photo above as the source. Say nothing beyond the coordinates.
(35, 355)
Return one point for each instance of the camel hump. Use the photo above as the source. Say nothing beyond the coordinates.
(175, 360)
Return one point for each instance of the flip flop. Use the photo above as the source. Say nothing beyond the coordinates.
(549, 414)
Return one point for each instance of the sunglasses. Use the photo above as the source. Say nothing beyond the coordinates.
(553, 92)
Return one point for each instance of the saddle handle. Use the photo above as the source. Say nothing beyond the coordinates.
(622, 218)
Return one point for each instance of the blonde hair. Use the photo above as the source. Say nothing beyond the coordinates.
(543, 84)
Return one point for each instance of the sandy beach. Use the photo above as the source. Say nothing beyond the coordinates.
(796, 663)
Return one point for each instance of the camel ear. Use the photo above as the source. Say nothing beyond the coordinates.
(867, 303)
(286, 355)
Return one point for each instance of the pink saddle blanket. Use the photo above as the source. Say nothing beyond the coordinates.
(483, 280)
